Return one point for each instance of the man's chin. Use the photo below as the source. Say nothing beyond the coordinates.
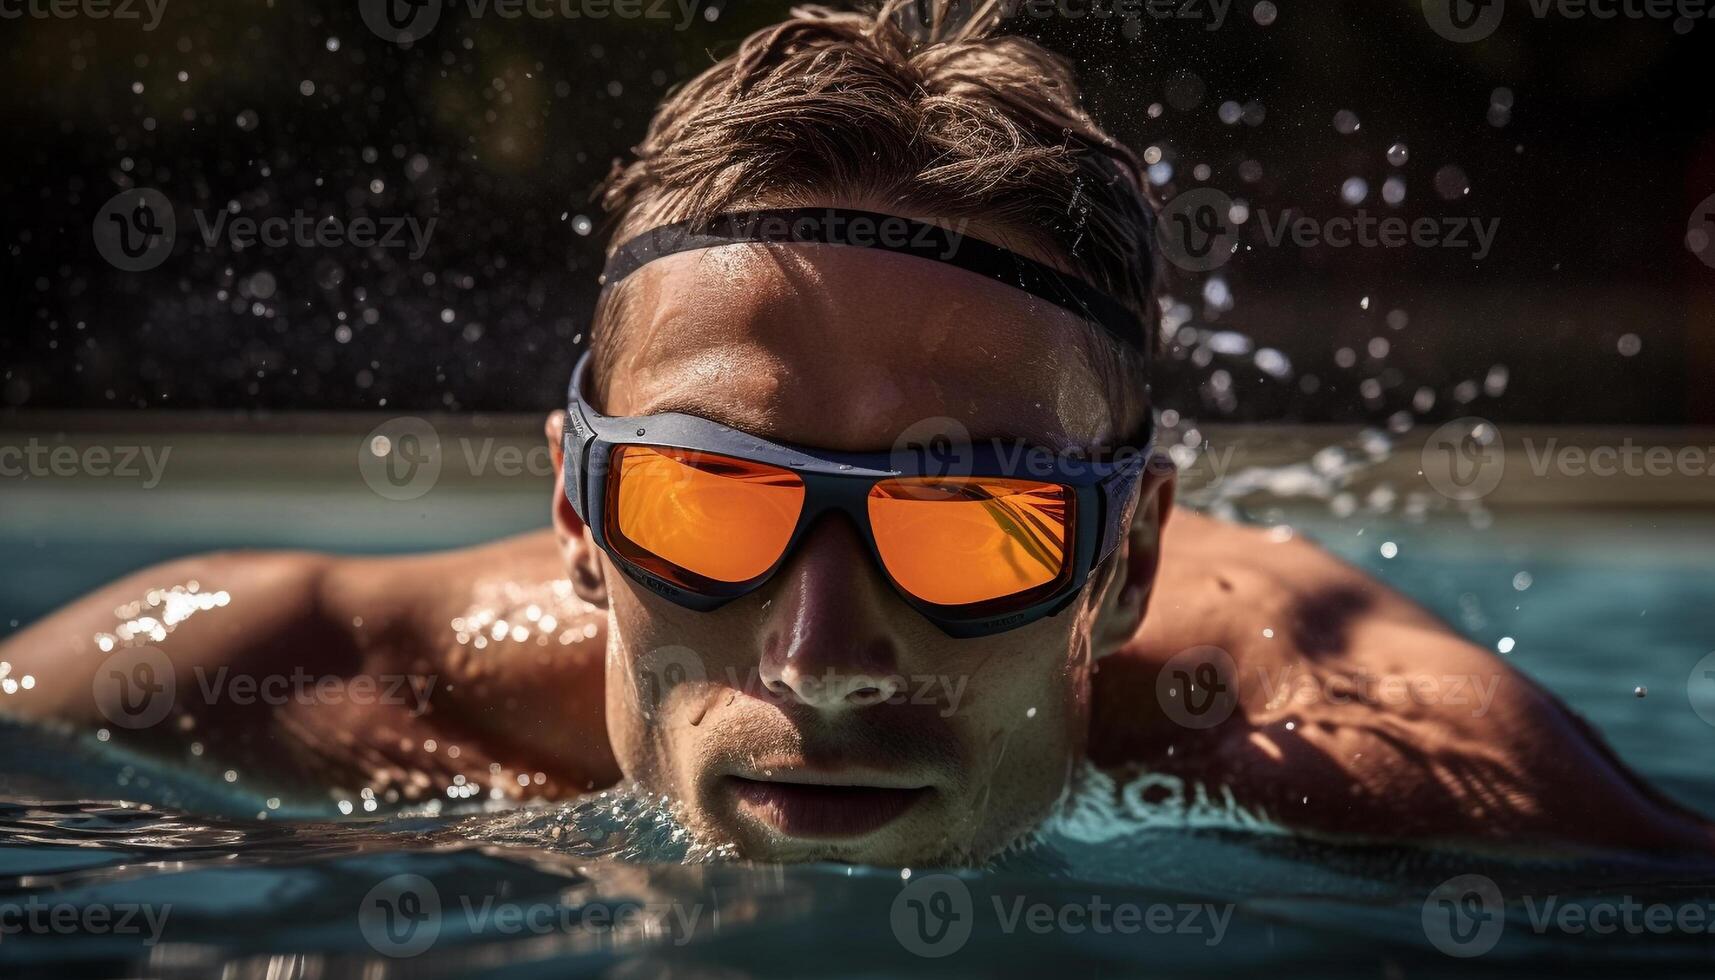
(784, 823)
(928, 833)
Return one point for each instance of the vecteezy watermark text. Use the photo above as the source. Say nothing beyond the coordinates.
(933, 916)
(302, 230)
(403, 458)
(37, 460)
(137, 687)
(1211, 13)
(658, 672)
(1200, 687)
(136, 229)
(403, 916)
(1365, 230)
(1466, 915)
(407, 21)
(1466, 458)
(35, 917)
(1199, 230)
(147, 11)
(1467, 21)
(944, 691)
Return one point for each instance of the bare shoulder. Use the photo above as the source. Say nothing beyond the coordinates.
(229, 606)
(1327, 700)
(310, 670)
(213, 607)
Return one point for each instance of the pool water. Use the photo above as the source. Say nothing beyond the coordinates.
(1610, 609)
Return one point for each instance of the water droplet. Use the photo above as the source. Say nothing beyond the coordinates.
(1451, 183)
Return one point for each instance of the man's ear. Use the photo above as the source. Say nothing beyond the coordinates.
(577, 548)
(1134, 568)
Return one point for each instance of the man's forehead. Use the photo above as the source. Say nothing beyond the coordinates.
(844, 348)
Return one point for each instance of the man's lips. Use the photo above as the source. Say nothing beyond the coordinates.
(805, 804)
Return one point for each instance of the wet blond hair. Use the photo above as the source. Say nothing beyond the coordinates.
(920, 106)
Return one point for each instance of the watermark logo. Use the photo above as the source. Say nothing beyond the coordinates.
(1464, 21)
(1700, 232)
(939, 448)
(1464, 916)
(932, 916)
(661, 670)
(135, 687)
(1700, 689)
(401, 916)
(400, 21)
(135, 230)
(1465, 458)
(1197, 688)
(400, 459)
(1196, 230)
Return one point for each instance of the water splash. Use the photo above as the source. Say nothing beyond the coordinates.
(1101, 808)
(623, 823)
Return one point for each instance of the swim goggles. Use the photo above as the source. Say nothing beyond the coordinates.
(979, 538)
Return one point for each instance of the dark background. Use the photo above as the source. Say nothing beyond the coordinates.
(500, 129)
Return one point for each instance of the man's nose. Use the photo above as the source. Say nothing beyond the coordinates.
(828, 633)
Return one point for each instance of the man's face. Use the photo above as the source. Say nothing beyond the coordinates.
(821, 717)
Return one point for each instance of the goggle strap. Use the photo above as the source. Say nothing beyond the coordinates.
(902, 236)
(1120, 497)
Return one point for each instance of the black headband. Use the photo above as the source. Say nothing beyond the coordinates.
(868, 229)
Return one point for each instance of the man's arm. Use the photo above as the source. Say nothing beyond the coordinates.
(315, 674)
(1354, 711)
(210, 610)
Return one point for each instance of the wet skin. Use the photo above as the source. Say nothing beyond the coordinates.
(827, 719)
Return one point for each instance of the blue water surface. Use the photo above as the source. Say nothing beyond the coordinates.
(1611, 610)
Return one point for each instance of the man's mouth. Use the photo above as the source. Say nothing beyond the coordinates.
(819, 805)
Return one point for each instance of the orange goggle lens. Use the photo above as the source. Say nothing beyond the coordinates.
(719, 518)
(952, 542)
